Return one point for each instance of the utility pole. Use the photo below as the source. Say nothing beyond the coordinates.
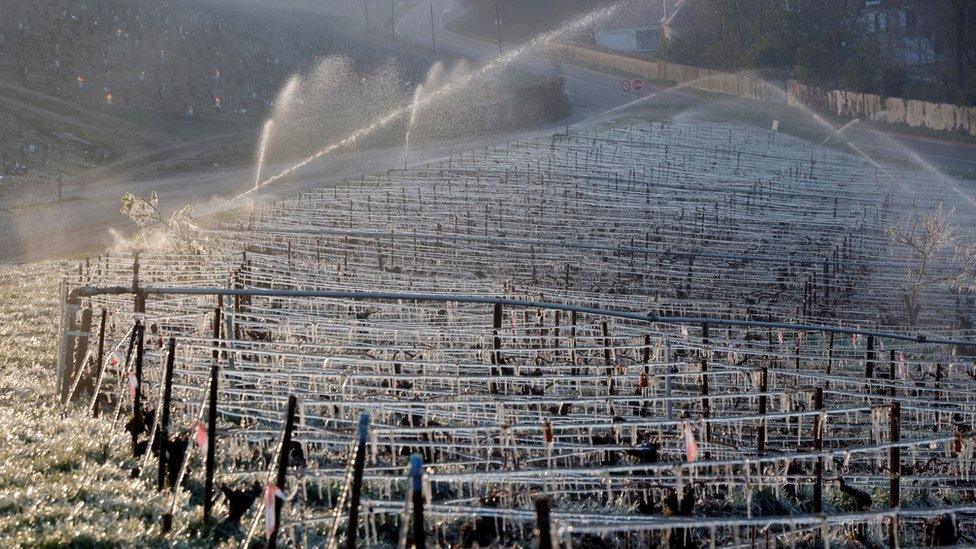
(433, 41)
(64, 147)
(366, 13)
(393, 19)
(498, 23)
(960, 39)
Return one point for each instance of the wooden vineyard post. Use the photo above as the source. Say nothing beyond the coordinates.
(806, 298)
(761, 438)
(496, 325)
(796, 356)
(668, 383)
(555, 338)
(238, 305)
(433, 39)
(572, 343)
(101, 348)
(417, 487)
(69, 323)
(75, 366)
(282, 475)
(543, 523)
(71, 344)
(705, 403)
(818, 447)
(534, 272)
(607, 361)
(869, 359)
(731, 316)
(216, 334)
(496, 345)
(352, 529)
(208, 480)
(938, 395)
(646, 353)
(136, 384)
(79, 364)
(100, 368)
(826, 283)
(139, 304)
(164, 418)
(128, 355)
(892, 366)
(894, 470)
(830, 357)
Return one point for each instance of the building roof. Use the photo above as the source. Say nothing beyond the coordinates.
(676, 17)
(637, 14)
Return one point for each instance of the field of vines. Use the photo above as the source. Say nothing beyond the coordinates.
(653, 334)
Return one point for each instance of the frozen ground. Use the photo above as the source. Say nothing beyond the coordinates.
(64, 476)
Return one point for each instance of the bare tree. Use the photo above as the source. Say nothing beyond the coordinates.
(937, 258)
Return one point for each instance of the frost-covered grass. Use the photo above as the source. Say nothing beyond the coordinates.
(64, 477)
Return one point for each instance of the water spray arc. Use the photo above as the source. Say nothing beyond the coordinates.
(413, 119)
(838, 132)
(263, 149)
(282, 104)
(498, 63)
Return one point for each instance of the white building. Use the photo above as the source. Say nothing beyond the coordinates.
(631, 39)
(634, 29)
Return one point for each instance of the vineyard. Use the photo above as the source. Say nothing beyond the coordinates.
(681, 333)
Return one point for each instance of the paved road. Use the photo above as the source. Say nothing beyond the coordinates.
(595, 92)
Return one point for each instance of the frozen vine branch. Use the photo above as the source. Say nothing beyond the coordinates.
(178, 233)
(929, 240)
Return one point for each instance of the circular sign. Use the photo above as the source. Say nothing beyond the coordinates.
(638, 85)
(625, 85)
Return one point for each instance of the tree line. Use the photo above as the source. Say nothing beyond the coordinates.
(923, 49)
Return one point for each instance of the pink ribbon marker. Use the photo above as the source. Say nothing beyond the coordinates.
(133, 384)
(271, 496)
(691, 445)
(200, 435)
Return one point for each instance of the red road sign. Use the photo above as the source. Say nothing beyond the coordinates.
(625, 85)
(638, 85)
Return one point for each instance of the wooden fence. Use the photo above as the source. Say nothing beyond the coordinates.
(893, 110)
